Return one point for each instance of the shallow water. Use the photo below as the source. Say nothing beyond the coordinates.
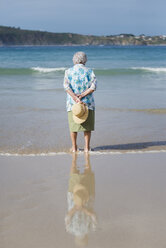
(130, 99)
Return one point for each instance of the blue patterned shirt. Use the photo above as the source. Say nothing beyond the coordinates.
(80, 78)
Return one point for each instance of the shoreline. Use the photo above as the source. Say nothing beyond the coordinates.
(113, 149)
(81, 152)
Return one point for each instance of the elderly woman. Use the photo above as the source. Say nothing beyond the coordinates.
(80, 83)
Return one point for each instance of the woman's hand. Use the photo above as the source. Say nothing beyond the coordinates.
(80, 96)
(77, 99)
(74, 96)
(85, 93)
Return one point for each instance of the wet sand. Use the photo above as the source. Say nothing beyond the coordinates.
(129, 203)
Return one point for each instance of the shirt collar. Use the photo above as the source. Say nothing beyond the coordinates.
(79, 64)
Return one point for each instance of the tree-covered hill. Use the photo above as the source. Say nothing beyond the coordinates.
(10, 36)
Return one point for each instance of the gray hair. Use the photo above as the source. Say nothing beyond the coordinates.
(79, 58)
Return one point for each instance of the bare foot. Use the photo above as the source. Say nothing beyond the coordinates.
(73, 149)
(86, 149)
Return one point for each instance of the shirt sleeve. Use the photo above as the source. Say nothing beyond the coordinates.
(93, 81)
(66, 83)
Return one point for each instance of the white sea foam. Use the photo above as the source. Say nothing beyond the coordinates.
(153, 69)
(81, 153)
(45, 70)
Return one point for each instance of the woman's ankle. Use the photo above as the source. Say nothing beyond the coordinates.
(86, 149)
(74, 148)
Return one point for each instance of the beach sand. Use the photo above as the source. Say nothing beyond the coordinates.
(129, 201)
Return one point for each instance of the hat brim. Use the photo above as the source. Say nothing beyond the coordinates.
(83, 118)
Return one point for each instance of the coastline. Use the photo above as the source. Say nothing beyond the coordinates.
(85, 45)
(23, 36)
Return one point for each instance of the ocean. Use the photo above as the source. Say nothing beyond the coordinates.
(130, 98)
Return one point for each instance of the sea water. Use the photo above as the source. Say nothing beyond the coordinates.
(130, 98)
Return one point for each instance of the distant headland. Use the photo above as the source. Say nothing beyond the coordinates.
(12, 36)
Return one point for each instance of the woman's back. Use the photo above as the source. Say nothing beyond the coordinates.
(80, 78)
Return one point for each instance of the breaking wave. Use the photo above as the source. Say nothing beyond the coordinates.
(98, 71)
(46, 70)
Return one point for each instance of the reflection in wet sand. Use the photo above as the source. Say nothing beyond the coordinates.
(127, 192)
(81, 218)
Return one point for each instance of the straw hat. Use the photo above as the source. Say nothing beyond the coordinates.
(80, 195)
(80, 113)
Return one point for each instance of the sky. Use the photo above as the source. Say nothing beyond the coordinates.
(96, 17)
